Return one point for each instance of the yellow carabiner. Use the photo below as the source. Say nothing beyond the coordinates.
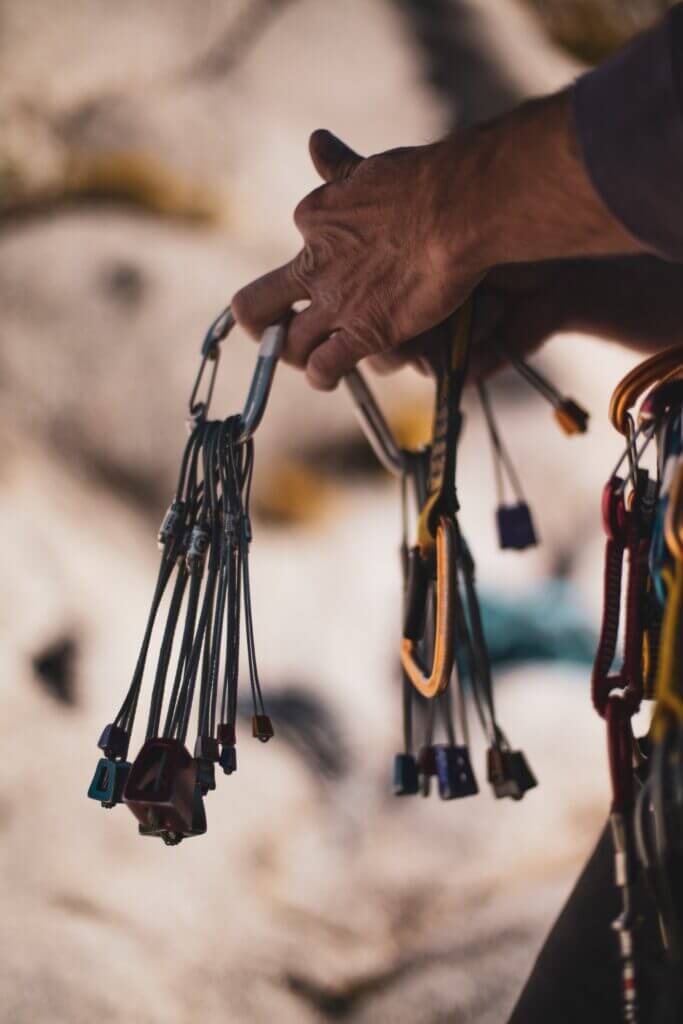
(627, 392)
(669, 685)
(430, 685)
(673, 521)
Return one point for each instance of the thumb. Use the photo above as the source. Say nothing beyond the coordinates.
(331, 157)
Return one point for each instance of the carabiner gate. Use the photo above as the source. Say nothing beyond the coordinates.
(270, 347)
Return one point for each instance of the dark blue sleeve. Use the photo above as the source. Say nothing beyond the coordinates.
(629, 121)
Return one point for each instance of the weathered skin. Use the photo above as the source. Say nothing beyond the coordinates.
(395, 242)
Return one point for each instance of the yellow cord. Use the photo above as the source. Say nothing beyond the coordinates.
(669, 682)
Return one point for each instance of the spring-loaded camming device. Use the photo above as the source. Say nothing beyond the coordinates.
(515, 526)
(571, 417)
(204, 540)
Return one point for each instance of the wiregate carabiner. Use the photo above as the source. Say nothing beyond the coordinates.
(270, 347)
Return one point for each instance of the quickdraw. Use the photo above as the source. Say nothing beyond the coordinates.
(204, 539)
(659, 809)
(642, 520)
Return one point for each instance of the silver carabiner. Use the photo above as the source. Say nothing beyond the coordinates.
(374, 426)
(270, 347)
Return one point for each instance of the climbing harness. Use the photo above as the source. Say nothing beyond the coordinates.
(204, 539)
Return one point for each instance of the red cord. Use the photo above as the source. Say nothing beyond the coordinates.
(620, 752)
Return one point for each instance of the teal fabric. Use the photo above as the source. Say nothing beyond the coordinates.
(547, 624)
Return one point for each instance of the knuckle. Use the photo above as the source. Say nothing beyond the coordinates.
(301, 214)
(306, 209)
(299, 266)
(314, 256)
(309, 260)
(368, 331)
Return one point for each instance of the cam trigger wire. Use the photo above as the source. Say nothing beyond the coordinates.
(501, 456)
(514, 522)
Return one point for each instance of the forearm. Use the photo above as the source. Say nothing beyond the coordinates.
(528, 195)
(595, 170)
(392, 244)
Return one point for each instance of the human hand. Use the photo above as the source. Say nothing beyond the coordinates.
(394, 243)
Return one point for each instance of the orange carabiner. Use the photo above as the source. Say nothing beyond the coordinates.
(435, 682)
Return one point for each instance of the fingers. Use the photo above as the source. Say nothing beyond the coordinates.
(331, 157)
(332, 359)
(415, 352)
(306, 330)
(267, 299)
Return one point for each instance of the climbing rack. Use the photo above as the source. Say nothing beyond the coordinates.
(643, 523)
(443, 650)
(204, 580)
(204, 540)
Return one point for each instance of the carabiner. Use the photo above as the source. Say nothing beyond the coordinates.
(431, 683)
(627, 392)
(373, 424)
(614, 510)
(659, 400)
(270, 347)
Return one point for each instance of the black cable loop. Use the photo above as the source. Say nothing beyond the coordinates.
(126, 715)
(172, 711)
(210, 478)
(501, 456)
(446, 709)
(159, 685)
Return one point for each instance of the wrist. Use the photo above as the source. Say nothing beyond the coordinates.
(519, 191)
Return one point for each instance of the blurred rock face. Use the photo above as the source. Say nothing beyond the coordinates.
(595, 29)
(315, 895)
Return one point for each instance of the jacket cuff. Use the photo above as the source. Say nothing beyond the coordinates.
(630, 132)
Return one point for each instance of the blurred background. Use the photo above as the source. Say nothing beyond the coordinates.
(150, 158)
